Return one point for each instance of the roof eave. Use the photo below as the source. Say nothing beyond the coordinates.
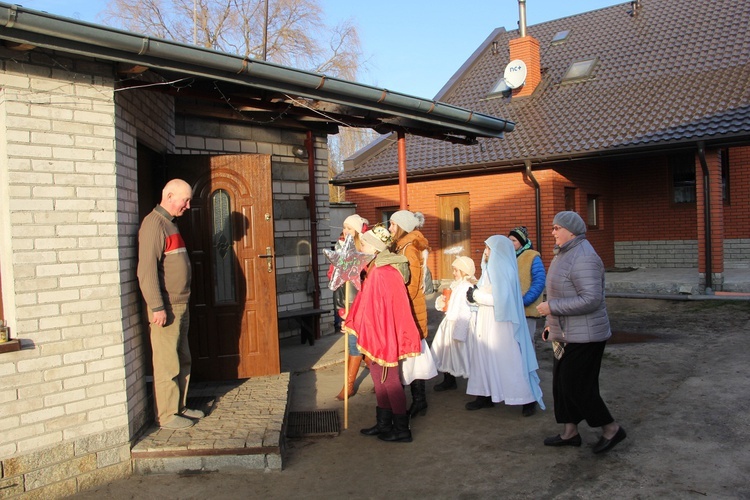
(26, 26)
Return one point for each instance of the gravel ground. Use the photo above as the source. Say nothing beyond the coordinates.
(674, 376)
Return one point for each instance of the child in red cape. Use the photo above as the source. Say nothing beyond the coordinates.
(381, 319)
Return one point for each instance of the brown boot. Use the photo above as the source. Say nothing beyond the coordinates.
(354, 362)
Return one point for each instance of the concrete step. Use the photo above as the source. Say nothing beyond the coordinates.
(244, 429)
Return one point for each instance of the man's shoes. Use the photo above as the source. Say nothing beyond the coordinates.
(605, 444)
(178, 423)
(194, 414)
(528, 409)
(559, 441)
(479, 403)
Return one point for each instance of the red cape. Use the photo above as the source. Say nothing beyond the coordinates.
(381, 318)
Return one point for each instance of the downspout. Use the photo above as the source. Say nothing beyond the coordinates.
(313, 226)
(403, 203)
(706, 215)
(538, 198)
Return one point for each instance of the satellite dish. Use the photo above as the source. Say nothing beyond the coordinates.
(515, 73)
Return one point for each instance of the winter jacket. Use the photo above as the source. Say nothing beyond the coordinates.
(411, 246)
(575, 294)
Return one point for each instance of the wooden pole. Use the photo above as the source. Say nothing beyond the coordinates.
(403, 202)
(346, 357)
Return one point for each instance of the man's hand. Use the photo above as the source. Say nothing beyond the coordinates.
(159, 318)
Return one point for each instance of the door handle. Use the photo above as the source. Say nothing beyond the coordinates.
(269, 256)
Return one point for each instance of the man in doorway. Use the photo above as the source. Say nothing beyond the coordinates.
(164, 275)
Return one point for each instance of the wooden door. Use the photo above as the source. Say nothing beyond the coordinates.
(455, 231)
(229, 235)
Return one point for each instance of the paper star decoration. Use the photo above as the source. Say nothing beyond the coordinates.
(347, 264)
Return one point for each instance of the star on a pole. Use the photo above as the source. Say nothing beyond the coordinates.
(347, 264)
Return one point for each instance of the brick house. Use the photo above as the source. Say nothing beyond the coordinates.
(93, 121)
(637, 116)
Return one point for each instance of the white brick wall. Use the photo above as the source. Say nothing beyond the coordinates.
(58, 251)
(658, 253)
(677, 253)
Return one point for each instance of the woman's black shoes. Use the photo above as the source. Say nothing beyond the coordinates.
(448, 383)
(559, 441)
(479, 403)
(605, 444)
(528, 409)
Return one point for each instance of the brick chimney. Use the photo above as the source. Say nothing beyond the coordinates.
(526, 48)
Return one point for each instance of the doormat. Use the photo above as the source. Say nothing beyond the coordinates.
(204, 403)
(313, 423)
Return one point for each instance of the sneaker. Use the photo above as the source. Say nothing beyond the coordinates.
(189, 413)
(177, 423)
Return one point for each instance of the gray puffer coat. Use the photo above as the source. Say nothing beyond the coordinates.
(575, 293)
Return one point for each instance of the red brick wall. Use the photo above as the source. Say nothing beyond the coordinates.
(737, 212)
(713, 163)
(642, 194)
(498, 202)
(634, 197)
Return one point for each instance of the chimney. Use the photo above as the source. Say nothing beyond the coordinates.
(526, 48)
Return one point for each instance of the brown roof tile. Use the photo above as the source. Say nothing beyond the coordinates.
(678, 71)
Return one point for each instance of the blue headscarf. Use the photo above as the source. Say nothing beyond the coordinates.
(502, 271)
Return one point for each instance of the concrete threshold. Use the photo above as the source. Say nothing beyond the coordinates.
(244, 430)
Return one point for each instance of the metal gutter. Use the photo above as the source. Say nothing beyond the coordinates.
(41, 29)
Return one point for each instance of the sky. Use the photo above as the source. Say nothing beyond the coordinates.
(411, 46)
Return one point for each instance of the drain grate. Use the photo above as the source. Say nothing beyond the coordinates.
(313, 423)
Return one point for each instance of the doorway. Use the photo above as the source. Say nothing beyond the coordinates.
(229, 235)
(455, 231)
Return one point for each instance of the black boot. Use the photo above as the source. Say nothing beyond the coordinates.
(528, 409)
(480, 402)
(448, 383)
(400, 432)
(384, 423)
(418, 399)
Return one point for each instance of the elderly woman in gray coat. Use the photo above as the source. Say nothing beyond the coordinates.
(578, 326)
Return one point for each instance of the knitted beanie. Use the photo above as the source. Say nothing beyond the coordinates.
(570, 221)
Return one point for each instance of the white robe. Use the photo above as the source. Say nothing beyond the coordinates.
(452, 354)
(496, 368)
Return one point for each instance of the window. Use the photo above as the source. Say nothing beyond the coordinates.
(456, 219)
(682, 168)
(223, 242)
(592, 211)
(580, 70)
(560, 37)
(385, 214)
(501, 88)
(570, 199)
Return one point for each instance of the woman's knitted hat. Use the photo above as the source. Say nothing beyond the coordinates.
(405, 220)
(521, 234)
(466, 265)
(570, 221)
(357, 223)
(378, 237)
